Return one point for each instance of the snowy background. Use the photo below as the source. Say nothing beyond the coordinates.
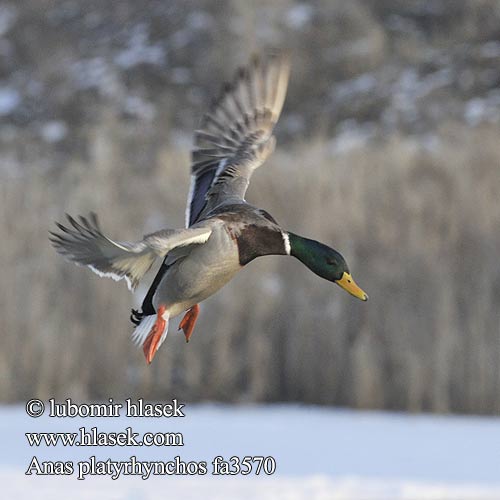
(321, 453)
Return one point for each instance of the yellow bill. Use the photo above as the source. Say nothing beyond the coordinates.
(348, 284)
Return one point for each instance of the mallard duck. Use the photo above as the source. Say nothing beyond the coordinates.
(223, 231)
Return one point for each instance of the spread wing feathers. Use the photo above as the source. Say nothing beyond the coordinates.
(83, 242)
(235, 136)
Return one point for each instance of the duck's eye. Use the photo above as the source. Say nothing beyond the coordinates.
(331, 262)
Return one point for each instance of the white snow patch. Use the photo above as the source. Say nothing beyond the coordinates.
(403, 97)
(410, 86)
(95, 73)
(199, 20)
(434, 81)
(299, 16)
(321, 453)
(490, 49)
(9, 100)
(16, 485)
(8, 17)
(362, 84)
(351, 136)
(139, 50)
(54, 131)
(137, 106)
(481, 109)
(475, 111)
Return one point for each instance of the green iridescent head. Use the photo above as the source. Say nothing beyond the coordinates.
(325, 262)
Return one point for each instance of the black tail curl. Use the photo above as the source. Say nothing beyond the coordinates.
(147, 304)
(136, 316)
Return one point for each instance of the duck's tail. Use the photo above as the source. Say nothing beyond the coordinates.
(136, 317)
(151, 331)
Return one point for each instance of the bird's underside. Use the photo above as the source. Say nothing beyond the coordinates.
(235, 137)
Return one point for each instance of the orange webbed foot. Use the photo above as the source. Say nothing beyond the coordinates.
(154, 338)
(189, 320)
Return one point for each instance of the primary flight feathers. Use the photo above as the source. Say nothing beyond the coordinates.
(235, 136)
(85, 244)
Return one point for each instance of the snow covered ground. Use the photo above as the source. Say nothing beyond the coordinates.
(320, 453)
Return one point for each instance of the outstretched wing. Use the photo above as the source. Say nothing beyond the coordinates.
(235, 136)
(85, 244)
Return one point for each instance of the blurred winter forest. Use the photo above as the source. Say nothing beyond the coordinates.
(388, 150)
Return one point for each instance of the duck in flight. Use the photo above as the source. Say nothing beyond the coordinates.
(223, 232)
